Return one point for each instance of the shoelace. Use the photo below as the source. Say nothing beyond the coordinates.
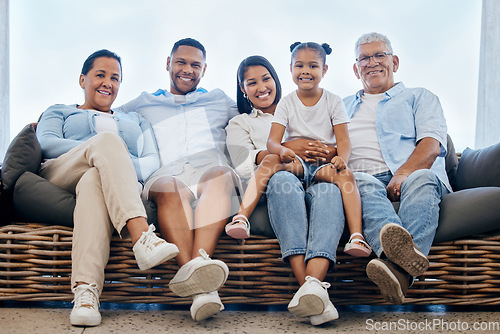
(325, 285)
(86, 296)
(150, 236)
(204, 254)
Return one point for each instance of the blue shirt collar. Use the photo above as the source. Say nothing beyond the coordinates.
(167, 93)
(395, 90)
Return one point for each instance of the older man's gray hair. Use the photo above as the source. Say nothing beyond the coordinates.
(372, 37)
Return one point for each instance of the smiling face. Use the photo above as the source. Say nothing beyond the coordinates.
(260, 87)
(186, 66)
(307, 69)
(101, 84)
(376, 77)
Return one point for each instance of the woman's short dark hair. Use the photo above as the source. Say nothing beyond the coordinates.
(189, 42)
(89, 62)
(322, 50)
(244, 104)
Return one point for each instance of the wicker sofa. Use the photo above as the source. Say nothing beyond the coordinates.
(35, 256)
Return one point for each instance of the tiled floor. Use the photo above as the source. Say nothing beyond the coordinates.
(18, 317)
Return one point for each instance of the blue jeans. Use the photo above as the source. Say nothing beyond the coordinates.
(418, 212)
(309, 171)
(307, 222)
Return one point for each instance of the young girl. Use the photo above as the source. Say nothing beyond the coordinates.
(308, 112)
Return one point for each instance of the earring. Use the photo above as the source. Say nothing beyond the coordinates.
(245, 95)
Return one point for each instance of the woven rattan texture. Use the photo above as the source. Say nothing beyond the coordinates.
(35, 265)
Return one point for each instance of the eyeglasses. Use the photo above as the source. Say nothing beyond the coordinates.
(378, 58)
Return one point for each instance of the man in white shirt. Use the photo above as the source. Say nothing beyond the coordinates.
(189, 125)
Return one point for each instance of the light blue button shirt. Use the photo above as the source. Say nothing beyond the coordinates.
(405, 116)
(190, 131)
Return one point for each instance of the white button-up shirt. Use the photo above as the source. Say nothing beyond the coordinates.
(246, 136)
(190, 131)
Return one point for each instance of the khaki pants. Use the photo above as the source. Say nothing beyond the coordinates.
(101, 174)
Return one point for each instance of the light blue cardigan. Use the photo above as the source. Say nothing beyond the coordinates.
(62, 127)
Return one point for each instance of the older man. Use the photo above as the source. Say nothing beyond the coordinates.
(398, 138)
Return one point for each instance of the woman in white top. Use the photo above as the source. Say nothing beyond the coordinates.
(294, 213)
(258, 94)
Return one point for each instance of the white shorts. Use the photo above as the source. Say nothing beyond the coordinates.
(191, 176)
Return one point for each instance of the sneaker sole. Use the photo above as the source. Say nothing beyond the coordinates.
(397, 244)
(204, 279)
(79, 321)
(308, 305)
(206, 311)
(388, 284)
(328, 315)
(170, 252)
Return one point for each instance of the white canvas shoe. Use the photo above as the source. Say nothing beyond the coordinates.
(205, 305)
(150, 251)
(311, 299)
(86, 306)
(330, 313)
(200, 275)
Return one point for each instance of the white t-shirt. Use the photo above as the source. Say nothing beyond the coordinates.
(366, 155)
(314, 122)
(104, 122)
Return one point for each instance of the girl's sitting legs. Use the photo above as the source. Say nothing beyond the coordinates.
(344, 179)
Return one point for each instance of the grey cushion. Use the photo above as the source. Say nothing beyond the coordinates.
(479, 168)
(259, 221)
(151, 211)
(467, 212)
(451, 163)
(24, 154)
(38, 200)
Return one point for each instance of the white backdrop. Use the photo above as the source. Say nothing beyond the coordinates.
(437, 42)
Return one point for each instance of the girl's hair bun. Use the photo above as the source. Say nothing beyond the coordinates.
(327, 48)
(294, 45)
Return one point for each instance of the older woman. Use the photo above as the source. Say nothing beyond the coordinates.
(99, 155)
(308, 222)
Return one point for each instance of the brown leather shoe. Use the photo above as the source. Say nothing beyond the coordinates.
(392, 281)
(399, 247)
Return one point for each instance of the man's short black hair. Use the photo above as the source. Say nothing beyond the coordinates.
(189, 42)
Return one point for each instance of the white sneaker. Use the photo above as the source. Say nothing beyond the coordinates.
(206, 305)
(200, 275)
(330, 313)
(150, 250)
(86, 306)
(311, 299)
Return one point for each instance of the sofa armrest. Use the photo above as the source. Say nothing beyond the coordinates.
(40, 201)
(23, 154)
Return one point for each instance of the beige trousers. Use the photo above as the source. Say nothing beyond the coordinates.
(101, 174)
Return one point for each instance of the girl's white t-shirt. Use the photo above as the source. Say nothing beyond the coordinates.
(314, 122)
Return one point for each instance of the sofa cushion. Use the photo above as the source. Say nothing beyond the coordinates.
(24, 154)
(151, 212)
(468, 212)
(451, 163)
(479, 168)
(40, 201)
(259, 221)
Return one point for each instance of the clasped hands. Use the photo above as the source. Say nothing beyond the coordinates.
(312, 151)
